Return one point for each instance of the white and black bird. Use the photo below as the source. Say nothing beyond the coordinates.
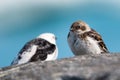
(84, 40)
(42, 48)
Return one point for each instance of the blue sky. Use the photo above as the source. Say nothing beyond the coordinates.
(21, 21)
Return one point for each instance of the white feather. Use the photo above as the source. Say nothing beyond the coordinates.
(25, 57)
(81, 46)
(29, 53)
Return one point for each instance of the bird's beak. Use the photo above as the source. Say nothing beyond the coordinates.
(55, 38)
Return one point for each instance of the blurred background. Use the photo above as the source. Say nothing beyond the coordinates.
(21, 21)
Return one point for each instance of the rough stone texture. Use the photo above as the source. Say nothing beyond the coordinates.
(87, 67)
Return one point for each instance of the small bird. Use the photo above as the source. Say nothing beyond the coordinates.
(84, 40)
(42, 48)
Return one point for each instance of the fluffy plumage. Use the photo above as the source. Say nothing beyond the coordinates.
(42, 48)
(84, 40)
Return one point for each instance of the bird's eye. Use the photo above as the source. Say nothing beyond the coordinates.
(77, 27)
(83, 28)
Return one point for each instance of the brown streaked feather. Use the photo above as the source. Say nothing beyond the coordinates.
(103, 47)
(97, 37)
(93, 34)
(83, 36)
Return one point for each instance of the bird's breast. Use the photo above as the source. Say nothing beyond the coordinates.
(85, 46)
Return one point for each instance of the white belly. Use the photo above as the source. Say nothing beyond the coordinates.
(81, 47)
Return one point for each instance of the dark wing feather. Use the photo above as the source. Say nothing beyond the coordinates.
(97, 37)
(44, 48)
(26, 48)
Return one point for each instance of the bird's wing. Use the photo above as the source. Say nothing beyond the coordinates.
(36, 49)
(97, 37)
(25, 53)
(44, 48)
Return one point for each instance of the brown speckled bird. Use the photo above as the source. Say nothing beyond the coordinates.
(84, 40)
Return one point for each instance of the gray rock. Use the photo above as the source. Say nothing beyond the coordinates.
(86, 67)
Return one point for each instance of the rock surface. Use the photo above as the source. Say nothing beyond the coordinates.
(86, 67)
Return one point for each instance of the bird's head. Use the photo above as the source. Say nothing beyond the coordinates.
(79, 27)
(50, 37)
